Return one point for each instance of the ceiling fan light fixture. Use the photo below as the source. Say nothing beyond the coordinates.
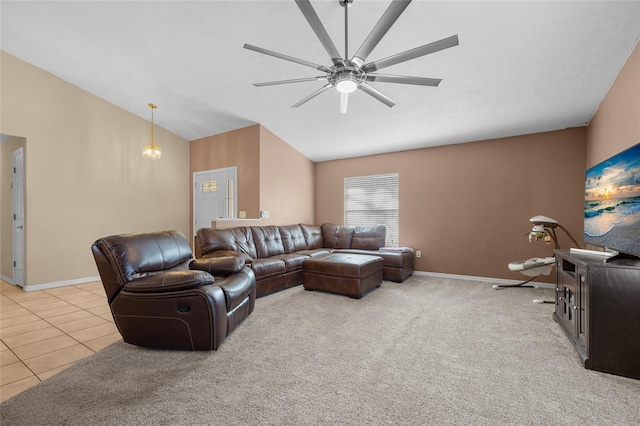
(346, 85)
(346, 80)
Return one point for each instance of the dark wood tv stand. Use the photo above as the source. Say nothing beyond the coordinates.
(598, 307)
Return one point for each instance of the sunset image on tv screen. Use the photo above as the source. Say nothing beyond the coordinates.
(612, 202)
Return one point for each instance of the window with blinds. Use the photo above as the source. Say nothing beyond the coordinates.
(373, 200)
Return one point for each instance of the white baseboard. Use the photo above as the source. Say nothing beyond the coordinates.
(55, 284)
(7, 279)
(46, 286)
(474, 278)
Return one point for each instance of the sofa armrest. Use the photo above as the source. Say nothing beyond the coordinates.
(237, 287)
(225, 253)
(169, 281)
(226, 265)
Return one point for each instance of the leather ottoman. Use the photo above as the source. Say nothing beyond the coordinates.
(398, 266)
(349, 274)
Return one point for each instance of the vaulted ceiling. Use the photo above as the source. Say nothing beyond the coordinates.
(521, 66)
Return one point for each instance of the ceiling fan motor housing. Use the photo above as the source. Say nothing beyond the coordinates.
(346, 80)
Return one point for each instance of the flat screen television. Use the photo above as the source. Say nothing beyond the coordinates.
(612, 203)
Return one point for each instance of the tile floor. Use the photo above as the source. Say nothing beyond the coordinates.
(44, 332)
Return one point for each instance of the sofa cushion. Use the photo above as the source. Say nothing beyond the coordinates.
(369, 237)
(312, 235)
(292, 238)
(238, 239)
(336, 236)
(267, 240)
(268, 267)
(315, 252)
(292, 261)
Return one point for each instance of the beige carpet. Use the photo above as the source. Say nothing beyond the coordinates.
(428, 351)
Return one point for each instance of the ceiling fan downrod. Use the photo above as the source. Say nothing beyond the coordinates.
(346, 4)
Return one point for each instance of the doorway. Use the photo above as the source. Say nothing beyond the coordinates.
(12, 209)
(214, 196)
(18, 217)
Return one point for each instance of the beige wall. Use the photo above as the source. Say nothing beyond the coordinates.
(239, 148)
(85, 174)
(616, 124)
(467, 206)
(272, 176)
(286, 182)
(7, 147)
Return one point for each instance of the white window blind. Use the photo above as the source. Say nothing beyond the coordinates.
(373, 200)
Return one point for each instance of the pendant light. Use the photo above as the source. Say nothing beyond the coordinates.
(152, 150)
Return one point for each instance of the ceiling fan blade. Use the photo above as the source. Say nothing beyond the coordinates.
(389, 17)
(295, 80)
(426, 49)
(376, 94)
(344, 102)
(313, 20)
(313, 95)
(286, 57)
(403, 79)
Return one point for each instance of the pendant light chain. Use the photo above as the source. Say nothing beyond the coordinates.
(152, 106)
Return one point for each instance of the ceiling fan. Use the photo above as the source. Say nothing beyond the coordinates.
(347, 75)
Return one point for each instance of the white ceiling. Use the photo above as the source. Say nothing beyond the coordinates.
(521, 66)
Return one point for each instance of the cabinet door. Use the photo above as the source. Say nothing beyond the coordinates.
(568, 300)
(582, 310)
(559, 306)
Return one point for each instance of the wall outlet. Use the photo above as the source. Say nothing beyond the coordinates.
(242, 214)
(418, 253)
(264, 213)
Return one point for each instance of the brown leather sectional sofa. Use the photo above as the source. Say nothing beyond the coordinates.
(275, 253)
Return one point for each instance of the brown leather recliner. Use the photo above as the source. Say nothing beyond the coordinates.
(162, 298)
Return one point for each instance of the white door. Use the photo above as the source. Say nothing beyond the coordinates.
(214, 196)
(18, 217)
